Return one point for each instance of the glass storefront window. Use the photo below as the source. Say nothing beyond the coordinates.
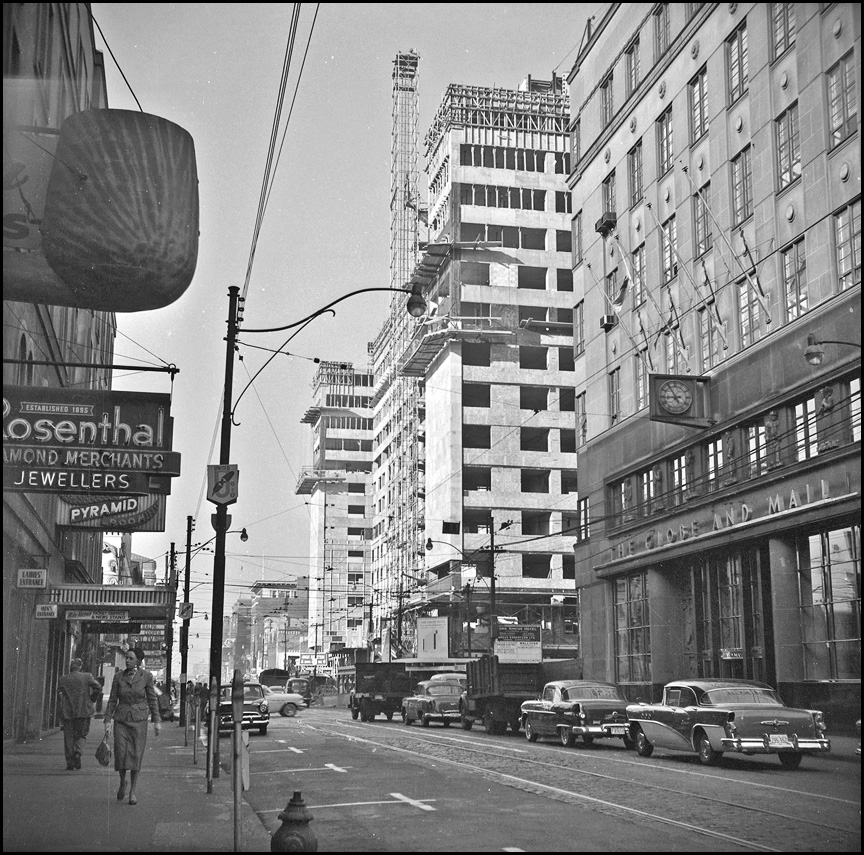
(829, 580)
(632, 630)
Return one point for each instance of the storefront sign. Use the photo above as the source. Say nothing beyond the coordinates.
(521, 643)
(736, 513)
(112, 513)
(84, 441)
(46, 610)
(731, 652)
(110, 616)
(32, 578)
(106, 627)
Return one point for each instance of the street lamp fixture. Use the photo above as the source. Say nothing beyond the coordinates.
(814, 353)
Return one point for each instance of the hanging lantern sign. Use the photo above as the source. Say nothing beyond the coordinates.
(120, 225)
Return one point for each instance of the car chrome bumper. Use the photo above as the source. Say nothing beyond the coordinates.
(600, 730)
(763, 746)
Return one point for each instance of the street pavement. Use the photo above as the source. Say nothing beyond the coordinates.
(47, 809)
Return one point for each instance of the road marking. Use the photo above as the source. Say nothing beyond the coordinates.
(328, 768)
(512, 849)
(276, 750)
(414, 802)
(461, 740)
(357, 804)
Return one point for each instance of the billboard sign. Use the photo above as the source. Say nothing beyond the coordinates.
(432, 638)
(519, 643)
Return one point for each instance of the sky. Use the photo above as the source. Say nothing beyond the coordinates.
(214, 69)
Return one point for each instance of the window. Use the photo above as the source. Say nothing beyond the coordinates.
(474, 273)
(639, 275)
(533, 398)
(584, 530)
(476, 436)
(632, 629)
(533, 278)
(788, 147)
(566, 399)
(646, 483)
(576, 231)
(536, 522)
(355, 579)
(532, 357)
(562, 163)
(742, 187)
(736, 63)
(805, 429)
(701, 221)
(536, 566)
(576, 140)
(632, 54)
(664, 142)
(533, 439)
(847, 229)
(795, 280)
(615, 395)
(661, 30)
(533, 313)
(829, 583)
(783, 27)
(579, 328)
(568, 571)
(757, 458)
(679, 479)
(609, 192)
(476, 394)
(715, 462)
(475, 353)
(674, 359)
(634, 167)
(669, 250)
(563, 241)
(748, 313)
(606, 107)
(535, 480)
(641, 373)
(566, 361)
(569, 481)
(699, 105)
(563, 202)
(691, 9)
(841, 100)
(709, 338)
(581, 419)
(358, 510)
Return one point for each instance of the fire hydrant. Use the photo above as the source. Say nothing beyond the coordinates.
(295, 835)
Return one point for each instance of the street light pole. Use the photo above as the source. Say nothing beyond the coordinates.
(184, 632)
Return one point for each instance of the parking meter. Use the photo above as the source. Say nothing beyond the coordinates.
(237, 696)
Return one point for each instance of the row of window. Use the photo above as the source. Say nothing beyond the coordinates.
(816, 424)
(477, 273)
(515, 237)
(518, 159)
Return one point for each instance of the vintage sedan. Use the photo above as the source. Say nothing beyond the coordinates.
(711, 716)
(285, 703)
(434, 700)
(569, 709)
(256, 712)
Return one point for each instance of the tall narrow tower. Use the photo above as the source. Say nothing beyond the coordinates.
(398, 406)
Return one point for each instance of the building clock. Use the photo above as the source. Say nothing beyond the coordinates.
(675, 396)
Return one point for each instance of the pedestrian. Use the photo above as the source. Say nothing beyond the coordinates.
(78, 691)
(133, 694)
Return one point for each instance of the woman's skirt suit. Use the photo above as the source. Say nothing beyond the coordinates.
(133, 695)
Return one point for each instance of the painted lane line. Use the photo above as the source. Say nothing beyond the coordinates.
(414, 802)
(328, 768)
(348, 804)
(457, 739)
(276, 750)
(504, 777)
(512, 849)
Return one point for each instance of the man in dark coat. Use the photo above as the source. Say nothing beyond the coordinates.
(78, 692)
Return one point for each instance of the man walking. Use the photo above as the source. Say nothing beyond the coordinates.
(78, 691)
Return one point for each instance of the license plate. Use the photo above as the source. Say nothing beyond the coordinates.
(379, 697)
(616, 731)
(778, 739)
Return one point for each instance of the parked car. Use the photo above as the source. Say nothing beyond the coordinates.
(434, 700)
(569, 709)
(710, 717)
(285, 703)
(256, 711)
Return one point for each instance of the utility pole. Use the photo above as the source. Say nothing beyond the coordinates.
(184, 632)
(169, 629)
(493, 620)
(220, 521)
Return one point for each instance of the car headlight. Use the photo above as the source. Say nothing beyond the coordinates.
(819, 721)
(263, 706)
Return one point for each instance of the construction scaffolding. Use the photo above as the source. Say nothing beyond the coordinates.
(398, 403)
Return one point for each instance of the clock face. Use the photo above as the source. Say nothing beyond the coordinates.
(675, 396)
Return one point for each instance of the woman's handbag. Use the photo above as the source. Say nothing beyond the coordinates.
(104, 752)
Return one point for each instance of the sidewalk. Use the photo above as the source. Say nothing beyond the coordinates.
(47, 809)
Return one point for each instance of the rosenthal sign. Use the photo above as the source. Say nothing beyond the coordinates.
(82, 441)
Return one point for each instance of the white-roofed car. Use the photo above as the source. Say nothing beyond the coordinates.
(285, 703)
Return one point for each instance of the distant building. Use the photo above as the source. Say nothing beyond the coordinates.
(716, 181)
(279, 617)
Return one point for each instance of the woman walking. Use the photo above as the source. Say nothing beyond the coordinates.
(133, 694)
